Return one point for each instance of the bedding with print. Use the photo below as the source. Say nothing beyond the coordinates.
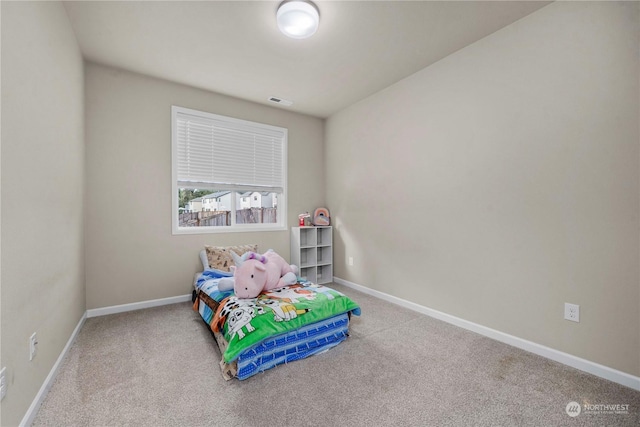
(278, 326)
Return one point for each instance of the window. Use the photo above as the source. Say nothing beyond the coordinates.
(226, 160)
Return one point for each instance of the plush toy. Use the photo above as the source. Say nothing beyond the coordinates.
(254, 273)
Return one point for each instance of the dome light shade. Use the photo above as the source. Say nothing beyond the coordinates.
(298, 19)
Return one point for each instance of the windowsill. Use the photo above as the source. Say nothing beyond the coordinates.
(229, 229)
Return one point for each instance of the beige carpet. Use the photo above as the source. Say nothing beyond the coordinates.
(159, 367)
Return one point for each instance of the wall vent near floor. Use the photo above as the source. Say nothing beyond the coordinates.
(280, 101)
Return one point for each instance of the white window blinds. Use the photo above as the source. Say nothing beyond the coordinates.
(225, 153)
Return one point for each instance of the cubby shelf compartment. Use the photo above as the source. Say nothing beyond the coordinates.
(312, 251)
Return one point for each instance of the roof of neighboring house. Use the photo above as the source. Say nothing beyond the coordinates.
(224, 193)
(210, 196)
(248, 193)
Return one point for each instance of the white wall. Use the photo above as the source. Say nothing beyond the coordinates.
(43, 159)
(503, 181)
(131, 254)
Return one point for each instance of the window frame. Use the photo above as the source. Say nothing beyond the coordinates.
(280, 225)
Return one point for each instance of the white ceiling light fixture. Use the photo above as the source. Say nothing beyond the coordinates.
(298, 19)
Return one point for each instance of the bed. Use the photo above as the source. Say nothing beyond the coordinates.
(277, 327)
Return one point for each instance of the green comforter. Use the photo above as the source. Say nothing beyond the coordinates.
(246, 322)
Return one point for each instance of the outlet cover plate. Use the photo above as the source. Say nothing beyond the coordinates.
(572, 312)
(3, 383)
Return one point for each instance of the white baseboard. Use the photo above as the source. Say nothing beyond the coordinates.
(28, 418)
(103, 311)
(601, 371)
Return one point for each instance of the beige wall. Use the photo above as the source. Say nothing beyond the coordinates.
(131, 254)
(503, 181)
(42, 160)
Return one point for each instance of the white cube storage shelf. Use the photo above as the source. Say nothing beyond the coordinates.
(312, 252)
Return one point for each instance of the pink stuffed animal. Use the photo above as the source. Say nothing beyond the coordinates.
(254, 273)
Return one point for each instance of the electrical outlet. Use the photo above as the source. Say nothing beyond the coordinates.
(572, 312)
(3, 383)
(33, 346)
(350, 261)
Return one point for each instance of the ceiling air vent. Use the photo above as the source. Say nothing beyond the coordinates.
(280, 101)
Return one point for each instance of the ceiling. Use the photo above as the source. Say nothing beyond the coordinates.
(235, 47)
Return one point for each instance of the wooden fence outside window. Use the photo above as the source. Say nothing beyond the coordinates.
(223, 218)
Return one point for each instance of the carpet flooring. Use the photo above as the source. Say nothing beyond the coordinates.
(159, 367)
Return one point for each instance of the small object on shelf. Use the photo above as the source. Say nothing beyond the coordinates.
(302, 218)
(321, 217)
